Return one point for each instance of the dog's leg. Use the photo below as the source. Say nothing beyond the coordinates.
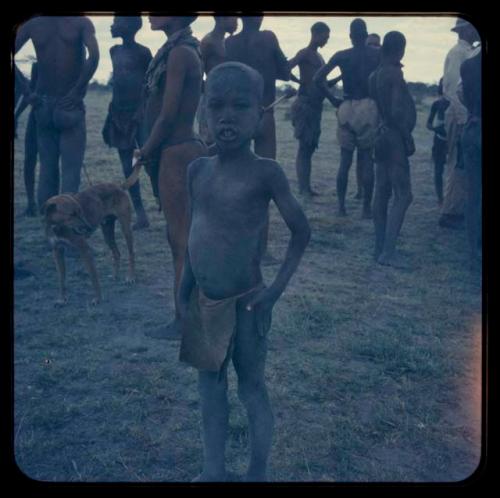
(85, 252)
(125, 222)
(58, 253)
(108, 230)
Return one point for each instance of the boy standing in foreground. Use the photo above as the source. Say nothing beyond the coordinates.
(224, 305)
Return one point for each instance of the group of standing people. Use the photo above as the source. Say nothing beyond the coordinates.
(215, 191)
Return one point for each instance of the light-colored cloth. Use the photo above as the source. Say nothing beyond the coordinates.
(455, 118)
(358, 121)
(208, 330)
(451, 77)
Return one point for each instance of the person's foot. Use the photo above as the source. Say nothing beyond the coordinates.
(31, 211)
(308, 193)
(171, 332)
(341, 212)
(394, 261)
(142, 221)
(254, 476)
(359, 195)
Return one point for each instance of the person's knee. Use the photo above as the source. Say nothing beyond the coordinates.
(251, 390)
(211, 386)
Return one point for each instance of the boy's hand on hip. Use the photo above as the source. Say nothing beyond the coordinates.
(263, 302)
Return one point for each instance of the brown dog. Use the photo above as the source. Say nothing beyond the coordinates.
(72, 218)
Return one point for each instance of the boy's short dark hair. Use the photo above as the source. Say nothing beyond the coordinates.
(254, 77)
(394, 41)
(134, 23)
(319, 27)
(358, 29)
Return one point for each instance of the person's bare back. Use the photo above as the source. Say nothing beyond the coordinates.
(60, 50)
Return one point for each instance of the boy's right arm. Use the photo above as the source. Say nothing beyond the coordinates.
(432, 114)
(319, 80)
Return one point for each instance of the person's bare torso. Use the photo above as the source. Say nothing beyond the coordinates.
(310, 63)
(60, 52)
(229, 212)
(183, 128)
(213, 52)
(257, 50)
(129, 67)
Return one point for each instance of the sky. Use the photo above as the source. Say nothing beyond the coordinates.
(428, 39)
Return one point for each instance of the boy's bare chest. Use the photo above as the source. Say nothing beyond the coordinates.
(127, 61)
(50, 33)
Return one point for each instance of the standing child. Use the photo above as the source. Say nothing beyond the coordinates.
(123, 126)
(439, 146)
(224, 305)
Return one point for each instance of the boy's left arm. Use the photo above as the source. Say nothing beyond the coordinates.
(297, 222)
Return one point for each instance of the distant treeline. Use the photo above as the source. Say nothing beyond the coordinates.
(418, 90)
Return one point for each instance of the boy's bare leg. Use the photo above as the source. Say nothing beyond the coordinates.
(400, 179)
(72, 149)
(249, 359)
(383, 190)
(126, 156)
(346, 156)
(212, 388)
(365, 164)
(359, 180)
(303, 168)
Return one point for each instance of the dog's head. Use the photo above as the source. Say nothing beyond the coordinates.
(63, 214)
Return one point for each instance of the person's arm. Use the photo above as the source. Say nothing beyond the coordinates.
(293, 62)
(397, 115)
(89, 40)
(177, 67)
(432, 115)
(282, 68)
(295, 219)
(319, 79)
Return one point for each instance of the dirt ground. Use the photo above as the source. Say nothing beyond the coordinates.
(374, 373)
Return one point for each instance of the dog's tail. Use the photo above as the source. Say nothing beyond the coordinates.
(134, 176)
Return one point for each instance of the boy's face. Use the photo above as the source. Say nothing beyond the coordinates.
(120, 27)
(321, 38)
(233, 113)
(230, 24)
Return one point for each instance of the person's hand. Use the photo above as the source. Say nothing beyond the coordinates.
(138, 157)
(409, 145)
(70, 100)
(336, 102)
(290, 92)
(263, 303)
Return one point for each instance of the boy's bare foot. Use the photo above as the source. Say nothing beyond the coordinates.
(394, 261)
(142, 222)
(206, 477)
(366, 214)
(341, 212)
(31, 211)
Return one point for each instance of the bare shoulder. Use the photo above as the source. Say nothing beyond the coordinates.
(85, 24)
(194, 167)
(183, 54)
(270, 170)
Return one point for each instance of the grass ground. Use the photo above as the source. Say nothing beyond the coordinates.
(374, 373)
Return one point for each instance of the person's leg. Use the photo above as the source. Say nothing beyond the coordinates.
(212, 387)
(303, 168)
(383, 191)
(126, 159)
(48, 149)
(365, 163)
(30, 158)
(72, 143)
(249, 359)
(400, 178)
(359, 179)
(342, 178)
(265, 139)
(173, 195)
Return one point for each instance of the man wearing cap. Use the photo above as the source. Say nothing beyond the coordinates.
(357, 115)
(452, 213)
